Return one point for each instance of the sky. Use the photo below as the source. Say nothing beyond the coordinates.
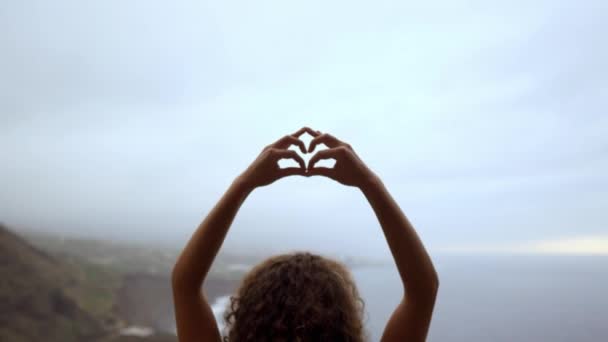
(485, 120)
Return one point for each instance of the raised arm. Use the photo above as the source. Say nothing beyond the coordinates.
(411, 319)
(195, 321)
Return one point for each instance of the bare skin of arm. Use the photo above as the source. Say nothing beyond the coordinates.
(194, 317)
(411, 319)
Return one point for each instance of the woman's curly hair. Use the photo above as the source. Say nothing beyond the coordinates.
(296, 297)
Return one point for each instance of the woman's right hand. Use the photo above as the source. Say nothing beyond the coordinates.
(349, 168)
(265, 169)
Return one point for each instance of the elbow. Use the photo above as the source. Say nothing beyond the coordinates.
(434, 289)
(429, 294)
(187, 277)
(433, 283)
(427, 287)
(179, 277)
(176, 275)
(423, 289)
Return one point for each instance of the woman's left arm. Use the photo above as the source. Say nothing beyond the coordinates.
(194, 317)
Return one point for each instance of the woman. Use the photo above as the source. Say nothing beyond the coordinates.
(302, 297)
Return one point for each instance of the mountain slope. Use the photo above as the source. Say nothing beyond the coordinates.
(34, 306)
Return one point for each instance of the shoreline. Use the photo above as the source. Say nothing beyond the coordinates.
(146, 304)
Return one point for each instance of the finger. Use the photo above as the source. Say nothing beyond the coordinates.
(325, 138)
(313, 132)
(331, 153)
(289, 154)
(321, 171)
(300, 132)
(292, 171)
(306, 130)
(288, 140)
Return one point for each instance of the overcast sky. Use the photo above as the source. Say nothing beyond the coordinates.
(486, 120)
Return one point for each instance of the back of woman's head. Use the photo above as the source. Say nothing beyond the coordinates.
(296, 297)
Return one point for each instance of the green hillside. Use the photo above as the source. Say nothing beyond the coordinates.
(59, 297)
(37, 303)
(56, 288)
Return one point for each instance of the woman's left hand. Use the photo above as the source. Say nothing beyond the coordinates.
(265, 168)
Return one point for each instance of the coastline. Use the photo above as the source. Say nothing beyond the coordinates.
(146, 303)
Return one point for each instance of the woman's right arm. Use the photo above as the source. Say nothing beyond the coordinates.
(194, 318)
(411, 319)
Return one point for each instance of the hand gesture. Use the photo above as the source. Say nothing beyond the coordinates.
(349, 168)
(265, 169)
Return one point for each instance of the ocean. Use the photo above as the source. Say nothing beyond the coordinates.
(518, 298)
(498, 298)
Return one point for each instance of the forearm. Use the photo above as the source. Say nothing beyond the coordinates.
(413, 262)
(197, 257)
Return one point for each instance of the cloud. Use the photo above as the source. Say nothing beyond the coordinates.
(581, 245)
(591, 245)
(486, 121)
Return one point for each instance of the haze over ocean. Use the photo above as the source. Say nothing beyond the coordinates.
(486, 120)
(503, 298)
(527, 298)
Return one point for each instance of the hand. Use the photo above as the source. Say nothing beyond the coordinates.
(265, 168)
(349, 168)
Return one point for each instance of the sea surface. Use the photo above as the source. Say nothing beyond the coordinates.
(497, 298)
(517, 298)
